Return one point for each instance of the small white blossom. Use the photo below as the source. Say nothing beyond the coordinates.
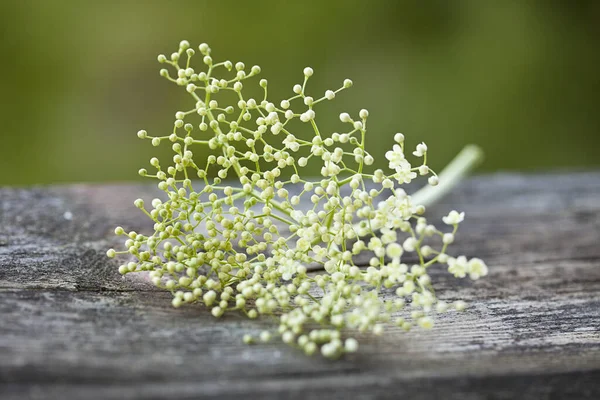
(448, 238)
(410, 244)
(476, 268)
(396, 158)
(404, 173)
(453, 218)
(345, 117)
(460, 305)
(458, 266)
(394, 250)
(421, 150)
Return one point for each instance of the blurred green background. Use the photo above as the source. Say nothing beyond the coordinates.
(520, 78)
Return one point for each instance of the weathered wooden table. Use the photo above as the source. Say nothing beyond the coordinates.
(72, 328)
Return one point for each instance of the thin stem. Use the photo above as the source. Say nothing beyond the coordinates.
(469, 157)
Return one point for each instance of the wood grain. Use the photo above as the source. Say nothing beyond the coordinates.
(71, 327)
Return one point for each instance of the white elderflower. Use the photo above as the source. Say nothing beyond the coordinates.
(404, 173)
(394, 250)
(235, 240)
(421, 150)
(288, 268)
(345, 117)
(396, 157)
(476, 268)
(410, 244)
(458, 266)
(453, 218)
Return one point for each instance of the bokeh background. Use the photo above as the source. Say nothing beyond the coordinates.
(520, 78)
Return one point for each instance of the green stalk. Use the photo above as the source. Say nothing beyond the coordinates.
(469, 157)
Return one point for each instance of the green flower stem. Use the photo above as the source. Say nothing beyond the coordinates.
(469, 157)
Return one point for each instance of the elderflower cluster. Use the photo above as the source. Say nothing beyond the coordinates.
(239, 242)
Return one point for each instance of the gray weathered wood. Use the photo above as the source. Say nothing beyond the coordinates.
(71, 327)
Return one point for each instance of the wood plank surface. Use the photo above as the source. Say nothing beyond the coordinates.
(72, 328)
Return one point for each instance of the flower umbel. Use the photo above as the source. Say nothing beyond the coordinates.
(240, 242)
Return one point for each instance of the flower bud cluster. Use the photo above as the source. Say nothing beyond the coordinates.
(239, 241)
